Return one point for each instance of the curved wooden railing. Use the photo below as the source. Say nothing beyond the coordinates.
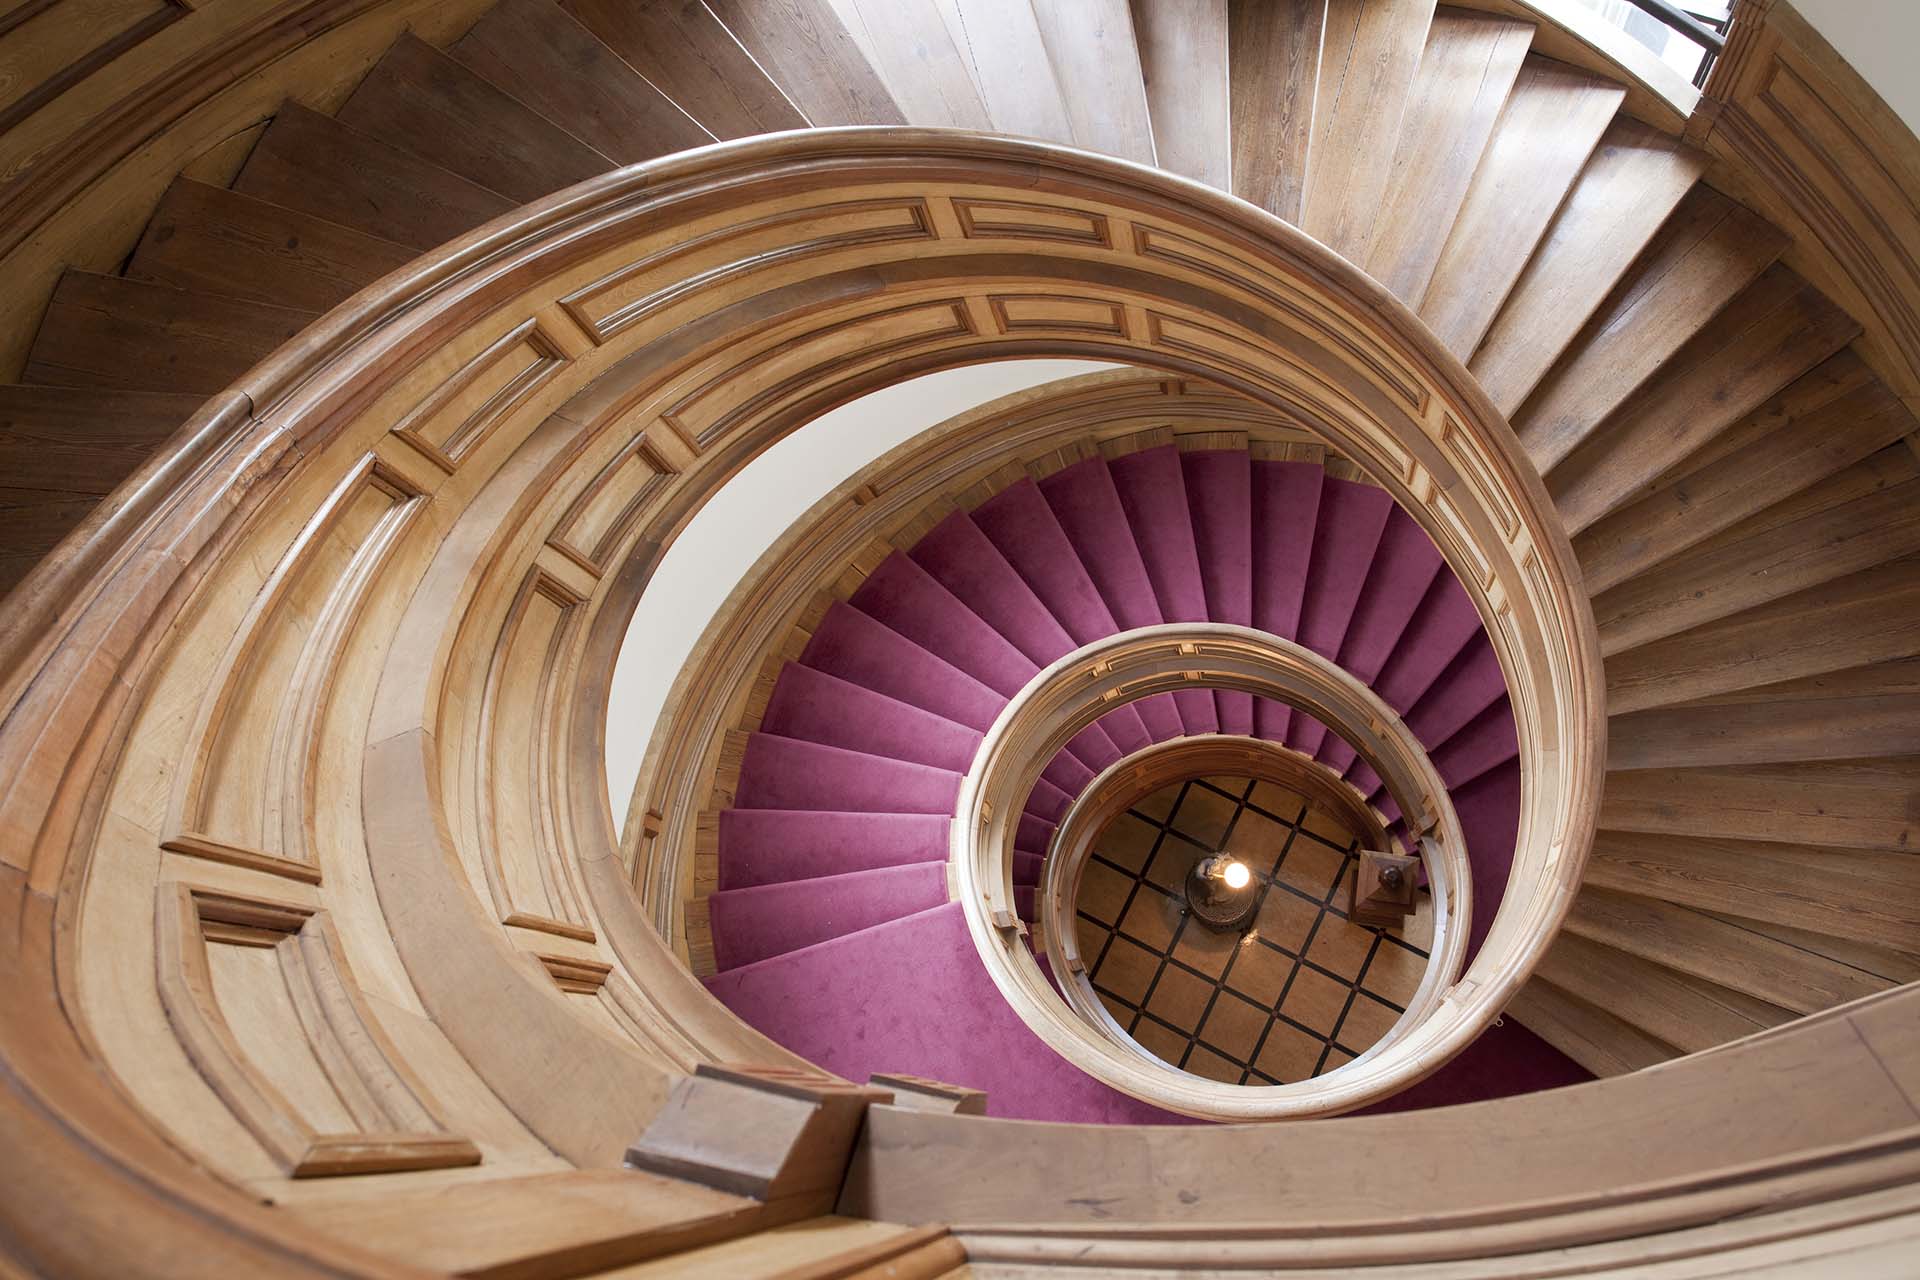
(1074, 691)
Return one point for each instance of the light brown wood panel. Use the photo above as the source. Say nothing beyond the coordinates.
(818, 1249)
(316, 165)
(1273, 61)
(1094, 54)
(917, 56)
(686, 53)
(1848, 804)
(216, 241)
(1695, 943)
(1762, 733)
(1751, 564)
(1688, 1013)
(1868, 897)
(1828, 420)
(1777, 330)
(1183, 56)
(807, 50)
(541, 55)
(1368, 55)
(105, 331)
(1592, 1037)
(1893, 964)
(1873, 616)
(1001, 42)
(1553, 119)
(1708, 252)
(423, 102)
(1465, 74)
(1629, 186)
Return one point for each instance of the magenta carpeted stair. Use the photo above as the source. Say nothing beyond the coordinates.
(831, 926)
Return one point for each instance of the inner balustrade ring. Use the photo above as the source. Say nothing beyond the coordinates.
(1076, 690)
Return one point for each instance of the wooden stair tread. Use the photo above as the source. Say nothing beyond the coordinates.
(541, 55)
(1002, 44)
(920, 61)
(1830, 419)
(1695, 943)
(316, 165)
(1097, 62)
(1705, 255)
(1866, 896)
(106, 331)
(1592, 1037)
(1183, 55)
(1553, 119)
(1273, 60)
(1841, 804)
(1368, 57)
(690, 56)
(1778, 329)
(1631, 183)
(425, 103)
(217, 241)
(809, 53)
(1688, 1013)
(1871, 616)
(1466, 72)
(1892, 965)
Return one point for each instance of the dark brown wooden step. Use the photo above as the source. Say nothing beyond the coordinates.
(1183, 54)
(107, 331)
(686, 53)
(808, 51)
(1273, 62)
(423, 102)
(63, 449)
(215, 241)
(315, 164)
(542, 56)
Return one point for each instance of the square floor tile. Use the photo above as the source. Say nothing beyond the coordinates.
(1316, 1001)
(1341, 946)
(1162, 1042)
(1324, 825)
(1203, 949)
(1258, 841)
(1211, 1066)
(1152, 918)
(1311, 867)
(1203, 815)
(1278, 801)
(1395, 972)
(1233, 1026)
(1092, 938)
(1127, 970)
(1159, 805)
(1118, 1008)
(1180, 998)
(1285, 918)
(1169, 867)
(1367, 1020)
(1128, 842)
(1289, 1055)
(1103, 892)
(1260, 974)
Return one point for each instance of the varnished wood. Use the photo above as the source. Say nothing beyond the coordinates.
(1585, 1032)
(1850, 804)
(1273, 55)
(1183, 59)
(924, 66)
(1689, 1014)
(1097, 62)
(807, 50)
(1001, 41)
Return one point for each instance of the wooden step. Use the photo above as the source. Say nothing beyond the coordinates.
(1759, 731)
(1588, 1034)
(1631, 183)
(1865, 896)
(808, 51)
(1097, 61)
(316, 165)
(428, 105)
(1703, 946)
(1867, 617)
(1858, 519)
(107, 331)
(1777, 330)
(1890, 965)
(1827, 421)
(1552, 121)
(1368, 56)
(920, 60)
(1706, 254)
(1466, 72)
(689, 55)
(62, 450)
(216, 241)
(535, 51)
(1273, 63)
(1183, 54)
(1842, 804)
(1001, 41)
(1688, 1013)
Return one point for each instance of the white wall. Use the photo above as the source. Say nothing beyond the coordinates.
(1881, 38)
(722, 542)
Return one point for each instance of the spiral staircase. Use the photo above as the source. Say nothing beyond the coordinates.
(333, 481)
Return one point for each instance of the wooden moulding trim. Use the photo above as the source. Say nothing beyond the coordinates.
(399, 1129)
(573, 974)
(1442, 1017)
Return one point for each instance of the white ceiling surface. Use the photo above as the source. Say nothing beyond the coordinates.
(735, 528)
(1880, 38)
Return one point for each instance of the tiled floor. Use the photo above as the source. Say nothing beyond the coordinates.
(1298, 994)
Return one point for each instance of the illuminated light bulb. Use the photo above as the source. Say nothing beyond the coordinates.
(1236, 875)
